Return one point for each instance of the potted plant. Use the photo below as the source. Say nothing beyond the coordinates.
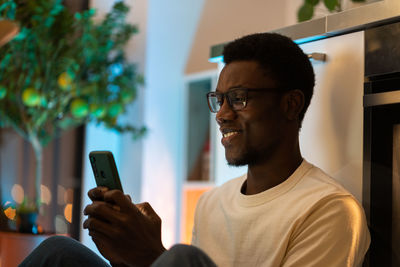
(8, 30)
(306, 11)
(63, 70)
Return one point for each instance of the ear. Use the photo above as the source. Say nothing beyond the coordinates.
(292, 104)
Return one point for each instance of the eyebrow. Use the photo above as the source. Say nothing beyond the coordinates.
(232, 87)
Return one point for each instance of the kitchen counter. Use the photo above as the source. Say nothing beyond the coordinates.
(356, 19)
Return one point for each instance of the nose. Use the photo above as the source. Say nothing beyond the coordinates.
(225, 113)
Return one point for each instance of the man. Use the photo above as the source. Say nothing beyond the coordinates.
(283, 212)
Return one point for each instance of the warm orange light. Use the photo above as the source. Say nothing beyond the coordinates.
(68, 213)
(10, 213)
(190, 198)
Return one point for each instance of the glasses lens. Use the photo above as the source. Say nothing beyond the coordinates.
(214, 101)
(237, 98)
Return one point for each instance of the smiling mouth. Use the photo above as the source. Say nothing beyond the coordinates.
(225, 135)
(228, 135)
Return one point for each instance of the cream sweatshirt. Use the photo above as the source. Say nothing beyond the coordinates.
(308, 220)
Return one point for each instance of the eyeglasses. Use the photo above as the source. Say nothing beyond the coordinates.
(237, 98)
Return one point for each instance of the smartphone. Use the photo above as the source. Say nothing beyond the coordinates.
(104, 169)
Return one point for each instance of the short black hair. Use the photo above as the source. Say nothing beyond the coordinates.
(280, 57)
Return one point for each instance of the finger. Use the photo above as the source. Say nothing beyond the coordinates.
(96, 226)
(102, 210)
(116, 197)
(99, 237)
(97, 193)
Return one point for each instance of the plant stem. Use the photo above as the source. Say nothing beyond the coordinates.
(38, 149)
(340, 6)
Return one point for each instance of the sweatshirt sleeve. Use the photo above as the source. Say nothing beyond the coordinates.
(195, 241)
(334, 233)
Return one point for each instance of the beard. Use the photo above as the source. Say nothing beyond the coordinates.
(252, 155)
(244, 159)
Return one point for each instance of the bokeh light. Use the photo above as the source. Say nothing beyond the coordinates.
(68, 213)
(17, 193)
(45, 194)
(60, 224)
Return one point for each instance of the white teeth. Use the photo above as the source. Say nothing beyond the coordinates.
(230, 134)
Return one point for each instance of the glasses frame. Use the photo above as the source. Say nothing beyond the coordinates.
(226, 96)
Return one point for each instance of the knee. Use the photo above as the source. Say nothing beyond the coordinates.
(56, 243)
(62, 251)
(46, 251)
(184, 255)
(57, 240)
(181, 249)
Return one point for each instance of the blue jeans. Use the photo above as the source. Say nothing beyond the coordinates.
(64, 252)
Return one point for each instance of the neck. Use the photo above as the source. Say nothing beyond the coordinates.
(273, 171)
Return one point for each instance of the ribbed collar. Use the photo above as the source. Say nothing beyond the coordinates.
(274, 192)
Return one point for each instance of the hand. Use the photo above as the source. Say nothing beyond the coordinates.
(123, 232)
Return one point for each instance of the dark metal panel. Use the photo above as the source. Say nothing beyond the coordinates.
(382, 50)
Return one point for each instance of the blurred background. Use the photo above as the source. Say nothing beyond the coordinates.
(173, 163)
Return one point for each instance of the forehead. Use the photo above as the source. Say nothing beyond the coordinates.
(244, 74)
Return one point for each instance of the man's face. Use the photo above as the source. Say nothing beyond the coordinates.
(250, 135)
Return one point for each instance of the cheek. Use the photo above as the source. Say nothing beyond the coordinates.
(259, 131)
(262, 129)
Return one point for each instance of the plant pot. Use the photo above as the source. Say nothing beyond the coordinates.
(27, 222)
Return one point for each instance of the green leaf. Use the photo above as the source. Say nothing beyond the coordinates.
(305, 12)
(312, 2)
(92, 11)
(22, 34)
(39, 9)
(9, 8)
(42, 118)
(78, 16)
(44, 138)
(56, 9)
(120, 7)
(5, 61)
(140, 79)
(3, 92)
(331, 4)
(49, 22)
(67, 122)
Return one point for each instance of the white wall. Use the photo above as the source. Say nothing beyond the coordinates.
(224, 20)
(332, 132)
(171, 27)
